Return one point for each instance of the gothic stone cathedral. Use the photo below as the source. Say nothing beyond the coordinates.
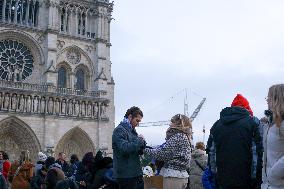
(56, 87)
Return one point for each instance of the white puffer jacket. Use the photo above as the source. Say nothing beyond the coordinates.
(273, 164)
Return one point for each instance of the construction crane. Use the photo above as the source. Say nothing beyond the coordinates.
(163, 123)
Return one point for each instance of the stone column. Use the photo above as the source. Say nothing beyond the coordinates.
(10, 12)
(86, 23)
(3, 11)
(15, 12)
(76, 22)
(27, 13)
(42, 21)
(22, 14)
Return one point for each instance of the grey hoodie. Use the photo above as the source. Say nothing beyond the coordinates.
(195, 172)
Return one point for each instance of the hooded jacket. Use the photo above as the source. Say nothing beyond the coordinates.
(197, 165)
(230, 141)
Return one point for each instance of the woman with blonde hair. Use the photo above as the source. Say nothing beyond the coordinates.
(24, 172)
(273, 169)
(175, 152)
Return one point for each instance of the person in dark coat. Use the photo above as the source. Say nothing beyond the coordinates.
(229, 146)
(3, 183)
(49, 161)
(38, 180)
(103, 166)
(74, 163)
(62, 161)
(54, 175)
(127, 147)
(84, 171)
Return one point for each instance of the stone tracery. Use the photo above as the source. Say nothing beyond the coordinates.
(16, 61)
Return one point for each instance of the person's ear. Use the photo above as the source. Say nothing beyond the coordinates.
(130, 117)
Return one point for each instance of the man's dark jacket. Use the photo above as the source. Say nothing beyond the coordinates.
(231, 138)
(126, 146)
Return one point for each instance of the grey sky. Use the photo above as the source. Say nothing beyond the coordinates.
(215, 48)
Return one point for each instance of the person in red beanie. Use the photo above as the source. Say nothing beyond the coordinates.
(241, 101)
(230, 144)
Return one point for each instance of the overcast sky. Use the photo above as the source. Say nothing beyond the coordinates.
(215, 49)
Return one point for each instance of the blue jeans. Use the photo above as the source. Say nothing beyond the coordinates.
(131, 183)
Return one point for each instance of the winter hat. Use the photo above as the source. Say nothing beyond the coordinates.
(41, 156)
(241, 101)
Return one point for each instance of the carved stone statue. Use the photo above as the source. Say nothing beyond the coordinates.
(14, 102)
(95, 110)
(22, 103)
(89, 109)
(76, 108)
(70, 107)
(7, 101)
(42, 105)
(1, 100)
(29, 104)
(56, 108)
(103, 108)
(36, 104)
(63, 107)
(83, 109)
(50, 106)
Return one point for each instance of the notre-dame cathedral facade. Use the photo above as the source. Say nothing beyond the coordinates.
(56, 85)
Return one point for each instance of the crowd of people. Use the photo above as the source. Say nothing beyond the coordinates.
(93, 172)
(242, 152)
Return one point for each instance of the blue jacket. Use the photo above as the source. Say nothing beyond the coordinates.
(126, 146)
(208, 179)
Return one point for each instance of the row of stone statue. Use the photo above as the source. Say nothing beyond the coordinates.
(52, 105)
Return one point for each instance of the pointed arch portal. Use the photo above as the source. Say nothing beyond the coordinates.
(16, 136)
(75, 141)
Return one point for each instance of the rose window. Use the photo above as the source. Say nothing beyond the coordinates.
(16, 61)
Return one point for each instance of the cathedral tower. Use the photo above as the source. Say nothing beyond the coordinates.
(56, 86)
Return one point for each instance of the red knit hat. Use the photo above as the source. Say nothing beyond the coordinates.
(241, 101)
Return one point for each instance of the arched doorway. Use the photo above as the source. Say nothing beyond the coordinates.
(16, 136)
(75, 141)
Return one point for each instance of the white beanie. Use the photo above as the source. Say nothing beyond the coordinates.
(41, 156)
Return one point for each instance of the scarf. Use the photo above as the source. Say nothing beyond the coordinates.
(126, 120)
